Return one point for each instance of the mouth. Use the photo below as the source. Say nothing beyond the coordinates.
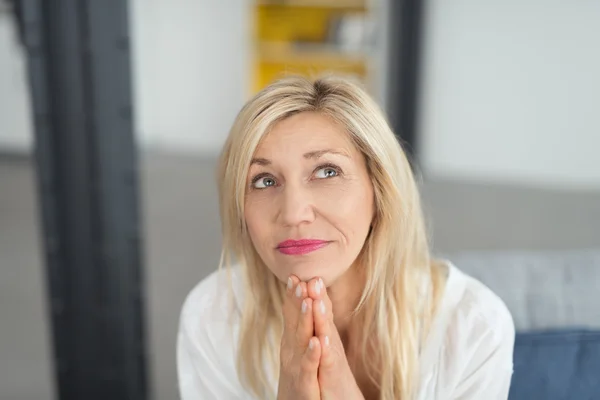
(299, 247)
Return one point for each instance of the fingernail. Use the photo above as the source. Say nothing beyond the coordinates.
(290, 284)
(318, 287)
(304, 306)
(326, 340)
(310, 344)
(298, 291)
(321, 283)
(322, 307)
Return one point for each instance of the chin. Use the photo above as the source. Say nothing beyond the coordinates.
(308, 270)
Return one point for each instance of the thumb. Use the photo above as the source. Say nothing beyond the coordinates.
(309, 364)
(329, 353)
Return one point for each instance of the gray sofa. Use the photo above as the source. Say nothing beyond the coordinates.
(554, 298)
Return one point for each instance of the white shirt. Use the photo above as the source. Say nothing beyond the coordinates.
(467, 356)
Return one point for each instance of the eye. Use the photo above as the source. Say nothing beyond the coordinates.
(263, 182)
(327, 171)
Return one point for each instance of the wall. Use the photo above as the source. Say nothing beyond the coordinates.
(512, 91)
(190, 64)
(193, 69)
(15, 125)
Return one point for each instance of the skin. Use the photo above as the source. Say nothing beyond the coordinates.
(308, 180)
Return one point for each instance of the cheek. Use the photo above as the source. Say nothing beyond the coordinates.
(256, 219)
(252, 222)
(350, 207)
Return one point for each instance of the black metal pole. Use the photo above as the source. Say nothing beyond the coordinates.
(405, 47)
(79, 69)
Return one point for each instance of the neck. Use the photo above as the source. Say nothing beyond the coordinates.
(345, 295)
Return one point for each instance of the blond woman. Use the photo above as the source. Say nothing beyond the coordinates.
(327, 288)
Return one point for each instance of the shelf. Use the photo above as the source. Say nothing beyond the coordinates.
(300, 37)
(335, 4)
(318, 54)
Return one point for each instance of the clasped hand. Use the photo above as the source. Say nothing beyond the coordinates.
(313, 361)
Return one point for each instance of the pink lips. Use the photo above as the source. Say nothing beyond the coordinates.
(302, 246)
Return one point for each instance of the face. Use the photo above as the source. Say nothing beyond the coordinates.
(309, 202)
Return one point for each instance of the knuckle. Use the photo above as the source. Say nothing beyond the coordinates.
(329, 362)
(297, 337)
(303, 285)
(288, 308)
(283, 348)
(306, 365)
(300, 343)
(285, 366)
(285, 353)
(300, 328)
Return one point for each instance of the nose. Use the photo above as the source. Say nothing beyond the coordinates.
(296, 205)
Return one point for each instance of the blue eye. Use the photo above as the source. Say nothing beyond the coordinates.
(263, 182)
(326, 172)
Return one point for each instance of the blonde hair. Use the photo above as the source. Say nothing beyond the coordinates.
(396, 257)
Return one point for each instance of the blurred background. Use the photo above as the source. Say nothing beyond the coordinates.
(498, 102)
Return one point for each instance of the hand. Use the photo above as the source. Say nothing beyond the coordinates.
(300, 351)
(336, 380)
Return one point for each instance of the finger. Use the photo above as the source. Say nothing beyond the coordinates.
(309, 364)
(331, 352)
(292, 310)
(331, 345)
(289, 303)
(314, 288)
(289, 306)
(306, 327)
(300, 293)
(291, 283)
(323, 313)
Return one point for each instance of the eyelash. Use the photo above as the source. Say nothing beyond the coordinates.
(325, 165)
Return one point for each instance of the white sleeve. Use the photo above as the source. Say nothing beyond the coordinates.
(204, 372)
(487, 366)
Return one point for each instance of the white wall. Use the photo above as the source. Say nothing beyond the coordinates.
(192, 70)
(512, 91)
(15, 123)
(190, 64)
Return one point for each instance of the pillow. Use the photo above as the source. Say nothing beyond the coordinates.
(556, 365)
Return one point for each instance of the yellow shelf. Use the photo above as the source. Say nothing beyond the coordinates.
(293, 37)
(322, 55)
(343, 4)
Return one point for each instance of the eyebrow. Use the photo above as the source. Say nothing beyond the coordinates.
(309, 155)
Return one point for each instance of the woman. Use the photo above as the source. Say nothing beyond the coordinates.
(335, 294)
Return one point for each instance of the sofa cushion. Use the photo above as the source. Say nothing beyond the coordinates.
(556, 365)
(542, 289)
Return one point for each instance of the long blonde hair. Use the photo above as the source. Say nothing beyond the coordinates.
(397, 310)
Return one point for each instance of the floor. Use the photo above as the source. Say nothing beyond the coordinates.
(182, 245)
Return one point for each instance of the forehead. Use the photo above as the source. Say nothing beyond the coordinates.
(305, 131)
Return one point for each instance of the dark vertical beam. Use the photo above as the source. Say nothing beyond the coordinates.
(80, 79)
(406, 18)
